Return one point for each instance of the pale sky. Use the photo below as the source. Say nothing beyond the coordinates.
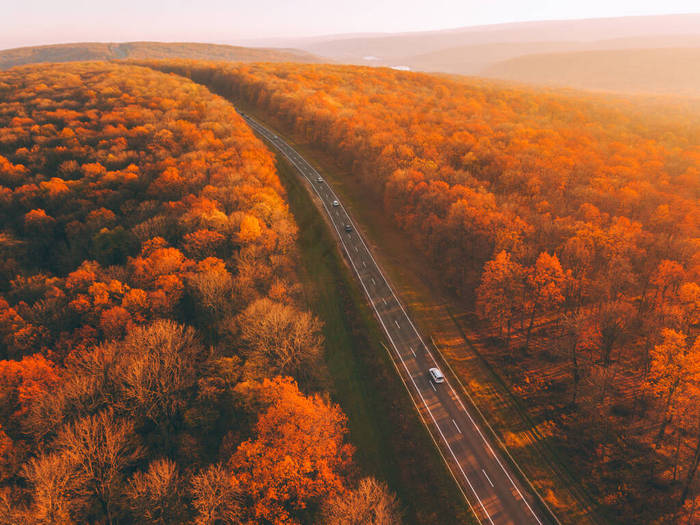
(34, 22)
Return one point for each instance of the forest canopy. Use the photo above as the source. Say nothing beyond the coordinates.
(146, 250)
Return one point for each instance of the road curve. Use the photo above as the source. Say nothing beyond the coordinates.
(493, 493)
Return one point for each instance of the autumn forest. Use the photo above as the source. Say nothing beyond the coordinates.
(160, 361)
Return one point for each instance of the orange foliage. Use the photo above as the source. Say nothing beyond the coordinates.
(114, 322)
(24, 381)
(130, 196)
(203, 243)
(297, 457)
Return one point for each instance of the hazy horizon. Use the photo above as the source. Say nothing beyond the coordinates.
(43, 22)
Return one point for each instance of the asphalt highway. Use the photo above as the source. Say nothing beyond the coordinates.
(492, 491)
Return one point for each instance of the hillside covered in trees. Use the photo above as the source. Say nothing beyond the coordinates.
(569, 223)
(145, 50)
(157, 363)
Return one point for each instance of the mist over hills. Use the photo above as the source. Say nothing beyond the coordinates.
(402, 45)
(478, 59)
(148, 50)
(662, 71)
(650, 54)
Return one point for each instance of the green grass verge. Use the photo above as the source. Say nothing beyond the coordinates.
(392, 443)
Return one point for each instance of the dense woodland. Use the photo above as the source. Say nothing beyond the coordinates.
(570, 223)
(157, 364)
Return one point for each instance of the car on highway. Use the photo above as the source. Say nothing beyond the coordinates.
(348, 228)
(336, 204)
(436, 375)
(319, 179)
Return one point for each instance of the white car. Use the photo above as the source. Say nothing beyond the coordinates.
(336, 204)
(319, 179)
(436, 375)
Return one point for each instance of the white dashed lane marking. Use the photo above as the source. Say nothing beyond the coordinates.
(487, 477)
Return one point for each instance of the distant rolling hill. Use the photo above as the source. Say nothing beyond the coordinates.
(398, 46)
(652, 54)
(659, 71)
(475, 59)
(148, 50)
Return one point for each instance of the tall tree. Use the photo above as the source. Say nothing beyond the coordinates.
(371, 503)
(545, 285)
(674, 370)
(297, 456)
(280, 339)
(500, 292)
